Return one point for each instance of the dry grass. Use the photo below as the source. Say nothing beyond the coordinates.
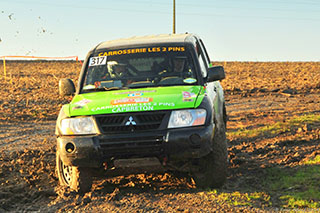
(271, 75)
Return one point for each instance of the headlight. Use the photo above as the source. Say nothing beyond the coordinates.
(184, 118)
(78, 126)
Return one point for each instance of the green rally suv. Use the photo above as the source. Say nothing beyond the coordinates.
(144, 105)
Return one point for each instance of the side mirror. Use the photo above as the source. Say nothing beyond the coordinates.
(216, 73)
(66, 87)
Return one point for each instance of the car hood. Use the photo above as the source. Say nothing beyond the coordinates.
(136, 100)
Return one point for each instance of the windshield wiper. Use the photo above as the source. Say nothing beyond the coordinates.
(142, 86)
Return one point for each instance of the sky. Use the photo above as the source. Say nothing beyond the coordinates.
(232, 30)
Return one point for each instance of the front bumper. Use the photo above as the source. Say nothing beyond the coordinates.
(169, 146)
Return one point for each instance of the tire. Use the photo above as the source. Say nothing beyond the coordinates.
(212, 168)
(77, 178)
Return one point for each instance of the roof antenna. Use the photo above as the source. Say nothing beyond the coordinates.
(174, 17)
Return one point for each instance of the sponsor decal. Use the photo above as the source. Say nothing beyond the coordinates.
(190, 80)
(136, 94)
(133, 107)
(164, 104)
(132, 92)
(188, 96)
(188, 100)
(81, 104)
(141, 50)
(77, 107)
(133, 100)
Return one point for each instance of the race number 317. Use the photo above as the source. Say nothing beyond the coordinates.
(95, 61)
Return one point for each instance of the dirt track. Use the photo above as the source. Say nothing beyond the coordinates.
(257, 95)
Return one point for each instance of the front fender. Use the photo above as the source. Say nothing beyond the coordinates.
(215, 94)
(219, 104)
(64, 113)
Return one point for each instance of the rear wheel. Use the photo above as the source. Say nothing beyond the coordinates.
(77, 178)
(212, 170)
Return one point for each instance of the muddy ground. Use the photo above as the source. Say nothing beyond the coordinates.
(257, 95)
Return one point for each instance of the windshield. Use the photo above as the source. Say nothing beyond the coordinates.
(140, 67)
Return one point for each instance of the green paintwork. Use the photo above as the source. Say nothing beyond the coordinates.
(136, 100)
(202, 93)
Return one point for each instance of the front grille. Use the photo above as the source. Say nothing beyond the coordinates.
(131, 122)
(132, 146)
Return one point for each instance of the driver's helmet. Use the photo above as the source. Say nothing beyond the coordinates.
(179, 63)
(116, 69)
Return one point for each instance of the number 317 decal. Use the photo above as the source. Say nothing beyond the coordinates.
(95, 61)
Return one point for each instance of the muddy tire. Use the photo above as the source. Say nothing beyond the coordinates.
(212, 171)
(77, 178)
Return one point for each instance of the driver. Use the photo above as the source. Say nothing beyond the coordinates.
(119, 70)
(178, 67)
(179, 64)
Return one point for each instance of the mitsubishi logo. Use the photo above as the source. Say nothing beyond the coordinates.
(131, 122)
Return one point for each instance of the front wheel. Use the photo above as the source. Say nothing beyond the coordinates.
(212, 168)
(77, 178)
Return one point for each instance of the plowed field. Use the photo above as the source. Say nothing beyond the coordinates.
(273, 136)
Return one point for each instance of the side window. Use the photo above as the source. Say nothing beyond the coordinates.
(202, 60)
(202, 66)
(205, 52)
